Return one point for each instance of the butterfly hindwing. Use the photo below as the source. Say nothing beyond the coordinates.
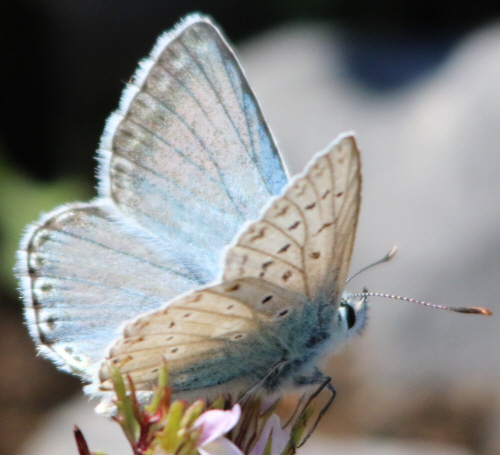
(221, 333)
(75, 294)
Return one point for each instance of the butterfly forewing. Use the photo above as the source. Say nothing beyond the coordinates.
(191, 132)
(336, 180)
(304, 240)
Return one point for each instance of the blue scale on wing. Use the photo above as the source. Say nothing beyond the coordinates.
(192, 158)
(84, 277)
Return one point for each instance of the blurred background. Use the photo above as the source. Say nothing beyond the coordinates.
(418, 81)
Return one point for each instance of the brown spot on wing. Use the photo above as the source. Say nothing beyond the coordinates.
(259, 235)
(232, 288)
(283, 249)
(286, 275)
(282, 211)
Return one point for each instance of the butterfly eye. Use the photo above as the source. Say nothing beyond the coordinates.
(350, 315)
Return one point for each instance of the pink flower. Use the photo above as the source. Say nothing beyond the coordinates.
(279, 438)
(215, 424)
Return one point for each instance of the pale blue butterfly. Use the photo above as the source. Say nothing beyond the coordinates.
(186, 164)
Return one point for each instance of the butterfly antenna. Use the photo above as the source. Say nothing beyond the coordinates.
(466, 310)
(386, 258)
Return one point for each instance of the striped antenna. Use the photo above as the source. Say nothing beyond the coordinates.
(465, 310)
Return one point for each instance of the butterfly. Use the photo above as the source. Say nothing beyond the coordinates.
(216, 260)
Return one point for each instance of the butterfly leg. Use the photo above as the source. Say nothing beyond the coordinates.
(272, 372)
(323, 382)
(301, 399)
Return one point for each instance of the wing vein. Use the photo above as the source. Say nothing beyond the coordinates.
(274, 257)
(238, 133)
(103, 285)
(93, 242)
(204, 146)
(175, 149)
(211, 312)
(164, 177)
(197, 101)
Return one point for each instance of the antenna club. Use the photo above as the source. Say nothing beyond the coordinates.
(475, 310)
(392, 253)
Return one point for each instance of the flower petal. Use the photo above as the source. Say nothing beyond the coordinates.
(221, 446)
(279, 439)
(269, 401)
(216, 423)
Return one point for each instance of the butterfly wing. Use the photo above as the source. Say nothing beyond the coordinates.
(277, 272)
(188, 157)
(213, 336)
(304, 240)
(183, 162)
(81, 277)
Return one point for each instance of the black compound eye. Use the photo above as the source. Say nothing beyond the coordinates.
(350, 316)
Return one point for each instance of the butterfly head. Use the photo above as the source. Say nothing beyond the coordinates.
(352, 314)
